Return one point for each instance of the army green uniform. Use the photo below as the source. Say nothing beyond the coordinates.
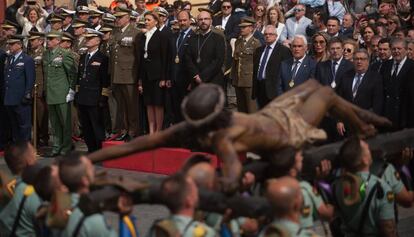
(311, 202)
(286, 228)
(390, 175)
(380, 208)
(93, 225)
(60, 74)
(187, 227)
(9, 213)
(242, 73)
(215, 220)
(42, 117)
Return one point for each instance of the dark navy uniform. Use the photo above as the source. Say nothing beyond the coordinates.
(4, 128)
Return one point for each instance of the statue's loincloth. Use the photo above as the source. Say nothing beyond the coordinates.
(285, 113)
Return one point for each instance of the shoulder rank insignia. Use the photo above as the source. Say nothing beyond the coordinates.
(390, 196)
(199, 231)
(306, 210)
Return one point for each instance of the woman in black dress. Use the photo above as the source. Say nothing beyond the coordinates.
(153, 71)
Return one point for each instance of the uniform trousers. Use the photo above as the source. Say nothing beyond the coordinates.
(126, 96)
(42, 122)
(4, 126)
(245, 103)
(261, 97)
(60, 119)
(93, 128)
(20, 117)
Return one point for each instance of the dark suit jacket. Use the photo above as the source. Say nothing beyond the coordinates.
(306, 70)
(347, 32)
(279, 54)
(369, 94)
(214, 6)
(377, 66)
(232, 29)
(407, 104)
(154, 67)
(178, 72)
(19, 79)
(394, 91)
(3, 58)
(324, 71)
(96, 77)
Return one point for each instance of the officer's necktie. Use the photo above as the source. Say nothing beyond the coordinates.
(295, 68)
(395, 73)
(356, 85)
(263, 63)
(88, 57)
(180, 39)
(334, 63)
(11, 60)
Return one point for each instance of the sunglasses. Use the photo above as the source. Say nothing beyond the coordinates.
(299, 10)
(225, 7)
(348, 50)
(260, 10)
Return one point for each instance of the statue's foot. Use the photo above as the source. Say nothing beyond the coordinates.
(372, 118)
(368, 130)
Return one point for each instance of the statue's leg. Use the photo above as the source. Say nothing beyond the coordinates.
(304, 90)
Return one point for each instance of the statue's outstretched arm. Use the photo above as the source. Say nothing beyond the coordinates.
(165, 138)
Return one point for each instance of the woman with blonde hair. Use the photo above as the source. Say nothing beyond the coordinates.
(350, 47)
(31, 18)
(259, 15)
(393, 24)
(319, 50)
(275, 18)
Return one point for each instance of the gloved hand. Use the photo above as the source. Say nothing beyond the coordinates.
(70, 96)
(27, 99)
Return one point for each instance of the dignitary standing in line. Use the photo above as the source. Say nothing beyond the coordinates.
(205, 55)
(19, 79)
(60, 74)
(242, 68)
(153, 70)
(93, 92)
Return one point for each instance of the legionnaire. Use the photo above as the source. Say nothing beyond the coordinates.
(242, 68)
(92, 93)
(19, 79)
(36, 41)
(124, 73)
(17, 217)
(67, 22)
(365, 203)
(9, 29)
(285, 197)
(79, 27)
(56, 22)
(180, 195)
(95, 18)
(60, 75)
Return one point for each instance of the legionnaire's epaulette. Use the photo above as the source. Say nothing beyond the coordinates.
(306, 210)
(199, 231)
(390, 196)
(165, 228)
(29, 190)
(276, 230)
(7, 187)
(106, 92)
(59, 211)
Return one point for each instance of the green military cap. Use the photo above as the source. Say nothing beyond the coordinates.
(79, 23)
(247, 21)
(54, 34)
(66, 12)
(107, 28)
(108, 17)
(8, 25)
(203, 9)
(121, 11)
(82, 9)
(15, 38)
(67, 37)
(93, 33)
(55, 18)
(36, 35)
(95, 12)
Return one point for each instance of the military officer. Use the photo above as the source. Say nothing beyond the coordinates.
(56, 22)
(242, 68)
(19, 79)
(79, 31)
(36, 42)
(4, 122)
(60, 75)
(9, 29)
(124, 73)
(95, 17)
(67, 41)
(105, 46)
(108, 18)
(82, 13)
(92, 94)
(365, 203)
(67, 22)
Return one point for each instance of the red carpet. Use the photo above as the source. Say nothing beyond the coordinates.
(159, 161)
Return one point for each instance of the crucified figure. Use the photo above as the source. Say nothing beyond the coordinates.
(290, 120)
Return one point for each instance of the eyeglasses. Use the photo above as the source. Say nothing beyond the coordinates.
(225, 7)
(320, 42)
(348, 50)
(391, 23)
(360, 59)
(269, 34)
(299, 10)
(260, 10)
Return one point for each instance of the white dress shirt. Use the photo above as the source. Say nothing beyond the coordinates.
(272, 46)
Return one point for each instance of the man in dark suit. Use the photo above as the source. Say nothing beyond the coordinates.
(19, 79)
(205, 55)
(266, 66)
(178, 70)
(328, 72)
(214, 6)
(347, 27)
(294, 71)
(361, 87)
(227, 21)
(93, 82)
(4, 126)
(384, 54)
(396, 73)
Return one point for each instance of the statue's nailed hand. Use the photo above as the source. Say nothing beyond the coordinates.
(228, 185)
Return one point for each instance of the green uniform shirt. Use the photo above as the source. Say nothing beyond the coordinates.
(214, 220)
(188, 227)
(289, 228)
(379, 209)
(390, 175)
(92, 226)
(9, 213)
(311, 202)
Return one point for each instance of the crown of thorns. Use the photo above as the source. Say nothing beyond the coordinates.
(210, 117)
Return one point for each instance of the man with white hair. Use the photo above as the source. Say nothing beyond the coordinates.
(266, 66)
(300, 68)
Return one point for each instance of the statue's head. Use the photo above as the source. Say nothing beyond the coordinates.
(203, 105)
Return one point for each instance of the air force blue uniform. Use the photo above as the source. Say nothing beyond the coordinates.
(19, 78)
